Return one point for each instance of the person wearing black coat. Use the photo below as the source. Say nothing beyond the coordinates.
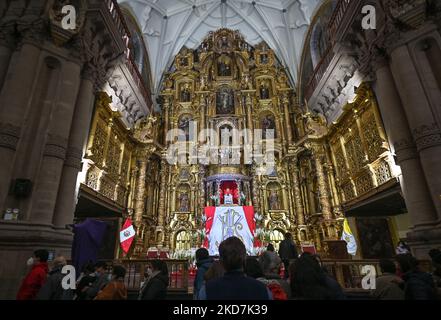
(418, 285)
(204, 263)
(52, 288)
(155, 286)
(287, 252)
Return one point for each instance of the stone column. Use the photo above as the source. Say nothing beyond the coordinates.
(14, 98)
(425, 131)
(285, 102)
(416, 193)
(322, 184)
(6, 48)
(54, 154)
(65, 207)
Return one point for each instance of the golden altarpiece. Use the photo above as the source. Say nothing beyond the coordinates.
(224, 85)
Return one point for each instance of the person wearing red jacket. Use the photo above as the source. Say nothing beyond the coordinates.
(36, 277)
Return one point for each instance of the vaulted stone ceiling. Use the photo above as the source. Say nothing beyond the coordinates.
(169, 25)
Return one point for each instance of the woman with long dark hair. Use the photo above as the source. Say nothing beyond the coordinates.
(308, 281)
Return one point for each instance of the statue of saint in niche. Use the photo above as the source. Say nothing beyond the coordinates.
(184, 125)
(224, 69)
(184, 203)
(186, 93)
(264, 58)
(224, 44)
(225, 101)
(268, 123)
(185, 175)
(184, 62)
(264, 91)
(274, 203)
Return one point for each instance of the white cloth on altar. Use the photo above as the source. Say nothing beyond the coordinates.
(229, 222)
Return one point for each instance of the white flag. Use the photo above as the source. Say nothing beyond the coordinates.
(349, 238)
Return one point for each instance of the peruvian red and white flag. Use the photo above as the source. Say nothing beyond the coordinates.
(127, 235)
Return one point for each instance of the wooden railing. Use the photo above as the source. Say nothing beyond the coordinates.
(118, 19)
(349, 274)
(322, 66)
(319, 71)
(337, 17)
(180, 276)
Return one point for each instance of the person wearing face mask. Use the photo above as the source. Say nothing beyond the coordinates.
(101, 280)
(155, 286)
(52, 289)
(36, 277)
(116, 289)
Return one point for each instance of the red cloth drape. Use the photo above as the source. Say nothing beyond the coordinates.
(249, 214)
(209, 214)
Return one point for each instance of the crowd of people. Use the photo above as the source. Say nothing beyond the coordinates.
(236, 277)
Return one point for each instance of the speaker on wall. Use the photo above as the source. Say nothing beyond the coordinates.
(21, 188)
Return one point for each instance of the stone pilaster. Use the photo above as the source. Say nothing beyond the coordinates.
(65, 207)
(54, 155)
(425, 131)
(7, 44)
(416, 193)
(14, 98)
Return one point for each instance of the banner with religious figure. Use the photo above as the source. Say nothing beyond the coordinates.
(225, 222)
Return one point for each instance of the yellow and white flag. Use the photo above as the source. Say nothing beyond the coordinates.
(349, 238)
